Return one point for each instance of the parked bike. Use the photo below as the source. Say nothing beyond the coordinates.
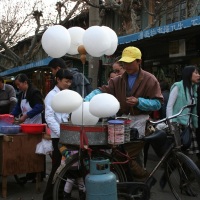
(180, 172)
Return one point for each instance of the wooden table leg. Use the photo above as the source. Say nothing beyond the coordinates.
(38, 182)
(4, 186)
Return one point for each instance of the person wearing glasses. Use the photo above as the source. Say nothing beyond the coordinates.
(118, 68)
(8, 98)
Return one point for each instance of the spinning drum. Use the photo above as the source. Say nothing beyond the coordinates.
(96, 135)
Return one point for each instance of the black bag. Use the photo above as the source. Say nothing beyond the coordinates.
(186, 134)
(134, 134)
(186, 137)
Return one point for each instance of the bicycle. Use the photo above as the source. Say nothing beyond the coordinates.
(181, 173)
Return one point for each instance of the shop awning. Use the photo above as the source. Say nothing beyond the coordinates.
(36, 64)
(195, 21)
(150, 33)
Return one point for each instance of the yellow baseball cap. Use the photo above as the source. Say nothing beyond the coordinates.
(130, 54)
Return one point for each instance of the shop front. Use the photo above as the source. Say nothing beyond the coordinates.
(167, 49)
(40, 74)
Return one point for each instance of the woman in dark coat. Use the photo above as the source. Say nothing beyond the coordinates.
(30, 102)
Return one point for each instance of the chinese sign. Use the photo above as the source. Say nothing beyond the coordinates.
(195, 21)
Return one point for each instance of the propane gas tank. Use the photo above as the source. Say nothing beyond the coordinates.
(100, 182)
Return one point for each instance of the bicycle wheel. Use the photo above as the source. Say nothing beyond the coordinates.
(183, 176)
(70, 171)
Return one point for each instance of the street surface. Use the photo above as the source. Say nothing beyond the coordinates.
(28, 192)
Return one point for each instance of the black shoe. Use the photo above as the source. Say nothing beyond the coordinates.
(163, 181)
(151, 182)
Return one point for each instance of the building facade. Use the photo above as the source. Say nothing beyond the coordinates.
(168, 36)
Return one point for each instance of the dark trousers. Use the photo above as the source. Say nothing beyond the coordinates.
(134, 149)
(56, 160)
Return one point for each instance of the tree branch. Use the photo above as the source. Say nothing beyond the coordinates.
(71, 12)
(9, 51)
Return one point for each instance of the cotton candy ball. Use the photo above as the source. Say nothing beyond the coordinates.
(66, 101)
(104, 105)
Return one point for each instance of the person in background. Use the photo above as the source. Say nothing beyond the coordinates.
(138, 93)
(8, 98)
(183, 93)
(111, 74)
(29, 107)
(74, 175)
(63, 80)
(58, 63)
(30, 104)
(118, 67)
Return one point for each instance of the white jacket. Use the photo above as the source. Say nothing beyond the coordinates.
(53, 118)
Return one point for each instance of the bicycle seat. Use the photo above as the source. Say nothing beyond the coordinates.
(157, 137)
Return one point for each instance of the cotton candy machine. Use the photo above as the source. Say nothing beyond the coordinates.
(76, 134)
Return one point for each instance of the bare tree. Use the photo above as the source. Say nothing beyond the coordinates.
(25, 17)
(127, 9)
(25, 20)
(31, 18)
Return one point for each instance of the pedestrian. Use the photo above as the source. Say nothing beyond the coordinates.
(138, 93)
(118, 67)
(63, 79)
(30, 104)
(8, 98)
(79, 80)
(111, 74)
(74, 175)
(183, 93)
(29, 107)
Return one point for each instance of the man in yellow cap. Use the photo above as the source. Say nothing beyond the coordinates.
(138, 93)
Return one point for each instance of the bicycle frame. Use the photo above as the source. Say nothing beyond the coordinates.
(131, 189)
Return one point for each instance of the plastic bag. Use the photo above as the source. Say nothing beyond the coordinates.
(44, 147)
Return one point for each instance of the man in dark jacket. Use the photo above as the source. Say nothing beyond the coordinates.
(79, 80)
(138, 93)
(8, 98)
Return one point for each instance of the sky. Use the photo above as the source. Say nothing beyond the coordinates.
(27, 29)
(50, 3)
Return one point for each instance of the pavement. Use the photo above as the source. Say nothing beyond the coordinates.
(28, 191)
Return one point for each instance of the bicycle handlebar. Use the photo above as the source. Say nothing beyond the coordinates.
(173, 116)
